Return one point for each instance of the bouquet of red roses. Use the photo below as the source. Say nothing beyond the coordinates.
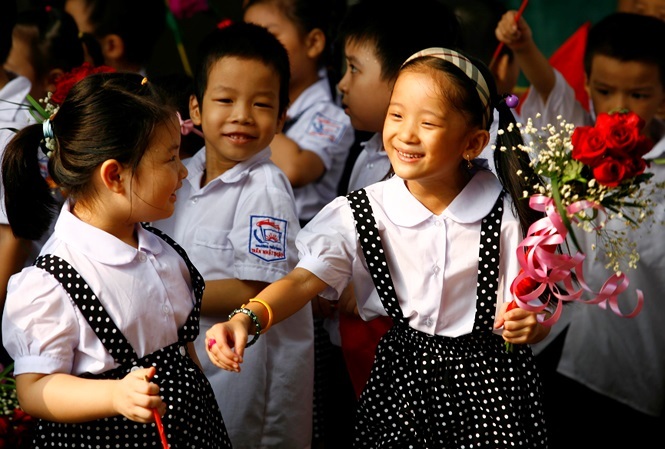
(595, 173)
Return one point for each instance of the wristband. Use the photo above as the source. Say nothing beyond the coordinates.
(254, 319)
(268, 308)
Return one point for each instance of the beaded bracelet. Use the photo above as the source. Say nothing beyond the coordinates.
(254, 319)
(268, 308)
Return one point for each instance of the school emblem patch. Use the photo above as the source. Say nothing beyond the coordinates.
(325, 127)
(267, 238)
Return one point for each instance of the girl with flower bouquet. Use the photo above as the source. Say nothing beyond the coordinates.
(604, 372)
(441, 377)
(102, 326)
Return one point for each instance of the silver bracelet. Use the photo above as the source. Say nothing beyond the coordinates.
(254, 319)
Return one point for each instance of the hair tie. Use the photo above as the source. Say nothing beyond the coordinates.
(511, 100)
(47, 129)
(187, 126)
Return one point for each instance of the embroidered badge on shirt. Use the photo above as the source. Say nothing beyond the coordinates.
(322, 126)
(267, 238)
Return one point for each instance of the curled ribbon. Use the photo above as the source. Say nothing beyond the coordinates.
(539, 262)
(187, 126)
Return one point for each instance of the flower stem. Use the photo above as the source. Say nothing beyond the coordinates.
(556, 195)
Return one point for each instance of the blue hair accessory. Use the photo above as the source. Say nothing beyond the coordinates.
(47, 129)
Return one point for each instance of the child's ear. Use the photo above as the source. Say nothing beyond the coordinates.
(280, 122)
(113, 48)
(477, 142)
(194, 110)
(111, 173)
(316, 43)
(51, 77)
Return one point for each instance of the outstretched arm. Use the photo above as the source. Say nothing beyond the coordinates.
(535, 67)
(285, 296)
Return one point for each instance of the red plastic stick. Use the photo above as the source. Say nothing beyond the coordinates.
(160, 426)
(500, 46)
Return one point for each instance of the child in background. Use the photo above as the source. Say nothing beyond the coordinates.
(599, 367)
(87, 383)
(13, 115)
(45, 45)
(311, 149)
(442, 376)
(374, 53)
(125, 31)
(315, 141)
(236, 217)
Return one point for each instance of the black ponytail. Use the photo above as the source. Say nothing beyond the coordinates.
(29, 202)
(513, 166)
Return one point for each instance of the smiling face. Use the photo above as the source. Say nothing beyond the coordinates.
(239, 113)
(632, 85)
(425, 138)
(158, 175)
(365, 94)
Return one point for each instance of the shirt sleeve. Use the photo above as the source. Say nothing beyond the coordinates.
(40, 327)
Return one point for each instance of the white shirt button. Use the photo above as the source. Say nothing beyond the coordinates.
(142, 257)
(436, 269)
(195, 200)
(165, 309)
(370, 165)
(429, 321)
(437, 223)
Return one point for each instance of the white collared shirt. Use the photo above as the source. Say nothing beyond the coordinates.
(372, 164)
(146, 291)
(433, 259)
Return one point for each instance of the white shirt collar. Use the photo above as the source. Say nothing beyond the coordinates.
(197, 163)
(473, 203)
(99, 245)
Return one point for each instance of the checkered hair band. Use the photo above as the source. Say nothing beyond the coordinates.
(465, 65)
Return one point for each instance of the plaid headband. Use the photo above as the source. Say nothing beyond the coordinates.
(466, 66)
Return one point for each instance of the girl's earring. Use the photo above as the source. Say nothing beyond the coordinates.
(468, 161)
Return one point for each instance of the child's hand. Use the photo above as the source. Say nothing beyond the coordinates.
(515, 35)
(225, 343)
(520, 326)
(135, 398)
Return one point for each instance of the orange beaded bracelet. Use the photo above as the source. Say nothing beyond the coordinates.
(268, 308)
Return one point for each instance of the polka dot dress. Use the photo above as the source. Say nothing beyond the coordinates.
(192, 419)
(438, 392)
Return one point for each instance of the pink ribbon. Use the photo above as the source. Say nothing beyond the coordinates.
(539, 261)
(187, 126)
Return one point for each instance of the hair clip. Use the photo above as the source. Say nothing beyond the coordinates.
(511, 101)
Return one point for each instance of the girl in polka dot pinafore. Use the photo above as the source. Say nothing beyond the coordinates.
(101, 327)
(433, 247)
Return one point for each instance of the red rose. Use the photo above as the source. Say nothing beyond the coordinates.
(610, 172)
(525, 286)
(642, 147)
(588, 145)
(64, 82)
(634, 167)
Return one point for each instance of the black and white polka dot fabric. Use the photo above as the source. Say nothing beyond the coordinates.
(436, 392)
(192, 419)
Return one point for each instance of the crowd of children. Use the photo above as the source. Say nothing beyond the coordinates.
(276, 289)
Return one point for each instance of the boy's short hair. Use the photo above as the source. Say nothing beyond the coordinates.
(629, 38)
(245, 41)
(399, 28)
